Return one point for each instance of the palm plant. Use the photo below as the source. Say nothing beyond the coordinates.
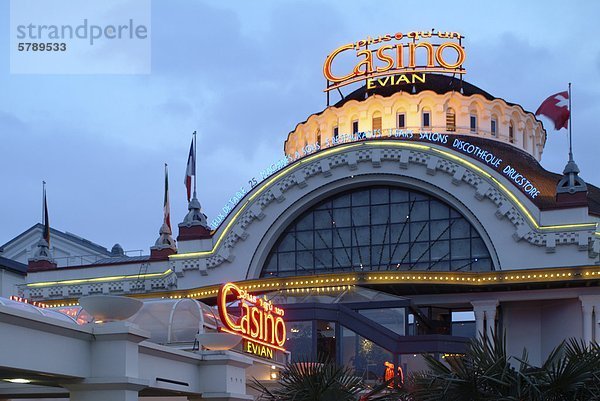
(305, 380)
(571, 372)
(485, 372)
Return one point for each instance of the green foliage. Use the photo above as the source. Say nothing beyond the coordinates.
(571, 372)
(313, 381)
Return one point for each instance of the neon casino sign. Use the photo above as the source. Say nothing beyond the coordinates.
(260, 323)
(403, 58)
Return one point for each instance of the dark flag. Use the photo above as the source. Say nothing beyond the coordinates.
(166, 206)
(46, 221)
(190, 170)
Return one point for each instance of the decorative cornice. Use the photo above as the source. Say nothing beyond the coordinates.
(353, 156)
(114, 285)
(330, 283)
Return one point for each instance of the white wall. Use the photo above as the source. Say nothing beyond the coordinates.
(522, 324)
(540, 326)
(9, 282)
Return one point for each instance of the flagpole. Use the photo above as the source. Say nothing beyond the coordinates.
(195, 160)
(570, 127)
(166, 193)
(43, 201)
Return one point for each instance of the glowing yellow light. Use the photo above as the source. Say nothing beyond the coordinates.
(99, 279)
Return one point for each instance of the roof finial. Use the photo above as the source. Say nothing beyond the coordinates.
(571, 183)
(194, 225)
(165, 244)
(42, 257)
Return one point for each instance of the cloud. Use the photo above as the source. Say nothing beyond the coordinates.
(242, 75)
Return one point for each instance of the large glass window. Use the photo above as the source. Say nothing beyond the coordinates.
(367, 358)
(300, 339)
(391, 318)
(326, 339)
(378, 228)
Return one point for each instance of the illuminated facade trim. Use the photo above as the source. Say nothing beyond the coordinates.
(314, 163)
(340, 281)
(100, 279)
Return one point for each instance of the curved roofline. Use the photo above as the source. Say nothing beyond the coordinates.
(219, 233)
(420, 88)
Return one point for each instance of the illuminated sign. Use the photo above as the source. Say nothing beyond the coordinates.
(450, 141)
(259, 321)
(258, 349)
(453, 141)
(521, 181)
(404, 58)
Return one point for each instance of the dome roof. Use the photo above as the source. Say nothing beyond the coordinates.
(437, 83)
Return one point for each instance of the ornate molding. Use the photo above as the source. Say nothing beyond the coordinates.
(372, 154)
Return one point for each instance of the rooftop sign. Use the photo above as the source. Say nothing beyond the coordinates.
(408, 56)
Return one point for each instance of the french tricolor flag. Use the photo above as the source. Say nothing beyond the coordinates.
(190, 170)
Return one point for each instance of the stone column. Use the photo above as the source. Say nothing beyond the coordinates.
(490, 318)
(587, 310)
(479, 322)
(114, 365)
(589, 303)
(223, 376)
(485, 309)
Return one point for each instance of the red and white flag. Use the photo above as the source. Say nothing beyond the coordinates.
(556, 108)
(190, 170)
(167, 205)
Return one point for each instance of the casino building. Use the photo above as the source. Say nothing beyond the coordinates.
(408, 219)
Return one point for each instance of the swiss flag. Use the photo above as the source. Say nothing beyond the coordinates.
(556, 108)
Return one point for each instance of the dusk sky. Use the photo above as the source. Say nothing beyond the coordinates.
(243, 74)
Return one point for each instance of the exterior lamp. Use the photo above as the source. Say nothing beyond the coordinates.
(18, 381)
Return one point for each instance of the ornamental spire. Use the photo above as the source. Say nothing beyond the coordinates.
(165, 244)
(571, 189)
(42, 257)
(194, 225)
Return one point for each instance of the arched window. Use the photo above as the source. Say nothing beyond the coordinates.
(378, 228)
(511, 132)
(376, 121)
(319, 136)
(450, 120)
(401, 120)
(426, 118)
(524, 139)
(473, 121)
(494, 126)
